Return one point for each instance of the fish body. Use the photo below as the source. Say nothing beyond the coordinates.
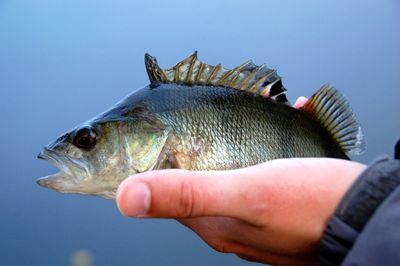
(218, 128)
(188, 119)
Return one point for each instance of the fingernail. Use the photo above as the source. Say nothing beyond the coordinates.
(134, 199)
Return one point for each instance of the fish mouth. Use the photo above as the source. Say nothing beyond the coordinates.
(68, 174)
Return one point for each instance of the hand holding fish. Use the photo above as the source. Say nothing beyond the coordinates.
(211, 119)
(274, 212)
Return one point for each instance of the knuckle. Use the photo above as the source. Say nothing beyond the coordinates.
(221, 246)
(225, 246)
(189, 201)
(245, 257)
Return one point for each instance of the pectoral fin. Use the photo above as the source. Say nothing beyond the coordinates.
(171, 158)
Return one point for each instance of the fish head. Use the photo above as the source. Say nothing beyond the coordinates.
(89, 159)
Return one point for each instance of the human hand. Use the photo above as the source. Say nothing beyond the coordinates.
(274, 212)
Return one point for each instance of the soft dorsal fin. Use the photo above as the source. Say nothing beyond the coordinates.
(248, 77)
(331, 109)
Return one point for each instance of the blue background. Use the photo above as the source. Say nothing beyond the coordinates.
(62, 62)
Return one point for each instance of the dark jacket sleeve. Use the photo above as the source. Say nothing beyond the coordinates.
(365, 229)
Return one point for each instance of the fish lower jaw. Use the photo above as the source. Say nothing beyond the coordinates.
(55, 182)
(64, 183)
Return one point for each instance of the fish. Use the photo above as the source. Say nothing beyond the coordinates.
(198, 116)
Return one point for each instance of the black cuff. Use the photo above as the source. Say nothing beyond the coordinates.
(337, 241)
(356, 208)
(368, 192)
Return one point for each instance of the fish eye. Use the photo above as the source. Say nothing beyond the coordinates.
(85, 138)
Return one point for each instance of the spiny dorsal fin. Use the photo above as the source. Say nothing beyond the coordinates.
(248, 77)
(332, 110)
(153, 70)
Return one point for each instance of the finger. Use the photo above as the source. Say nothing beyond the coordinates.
(255, 255)
(215, 231)
(300, 102)
(272, 192)
(294, 197)
(186, 194)
(222, 234)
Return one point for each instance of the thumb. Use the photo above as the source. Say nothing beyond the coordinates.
(184, 194)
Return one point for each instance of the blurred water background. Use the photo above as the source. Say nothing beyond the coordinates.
(62, 62)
